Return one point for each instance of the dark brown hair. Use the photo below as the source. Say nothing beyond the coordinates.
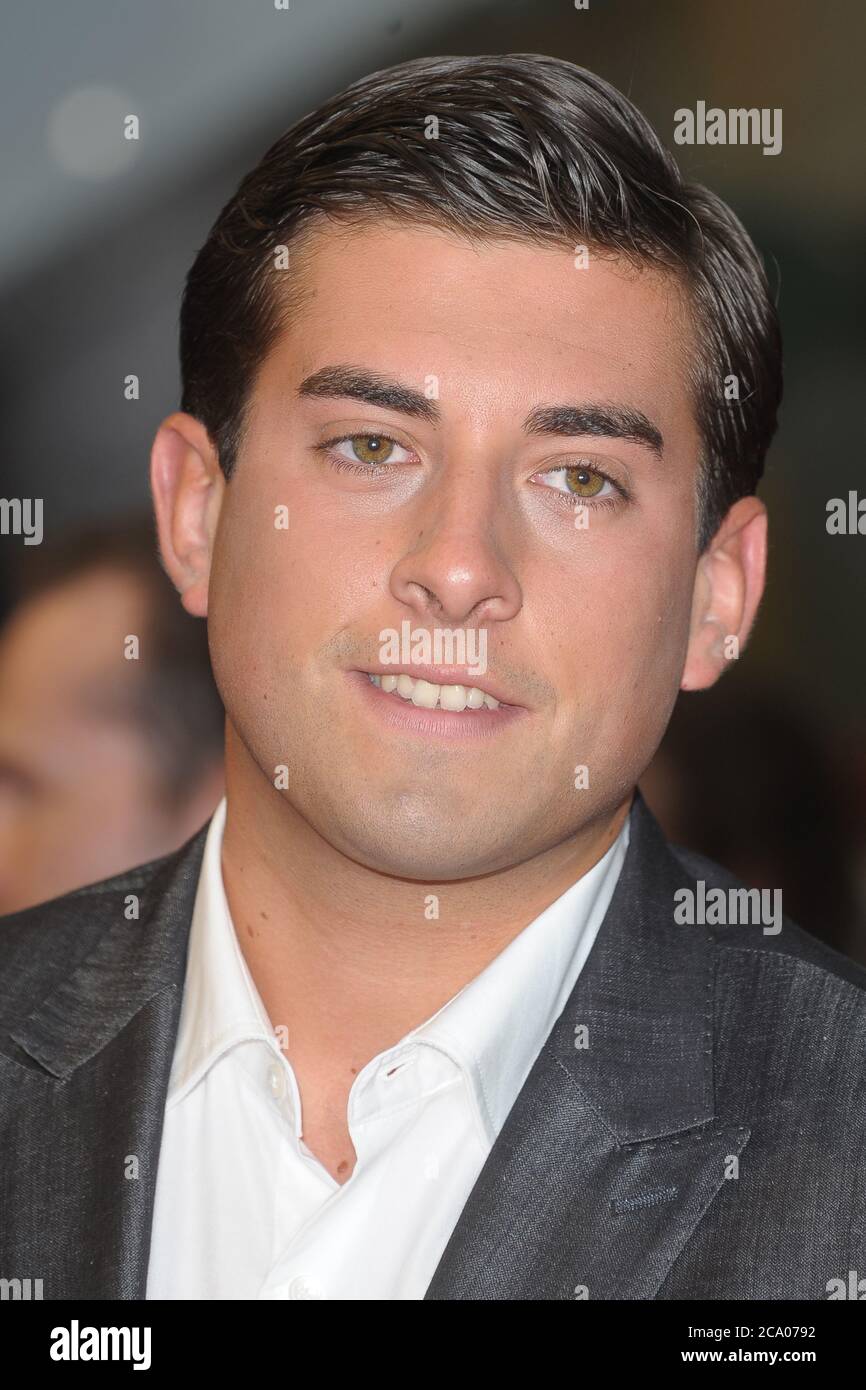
(529, 147)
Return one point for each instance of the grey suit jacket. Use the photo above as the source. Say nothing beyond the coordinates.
(694, 1126)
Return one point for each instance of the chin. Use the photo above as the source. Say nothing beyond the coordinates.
(439, 854)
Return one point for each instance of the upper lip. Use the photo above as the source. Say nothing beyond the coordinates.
(446, 675)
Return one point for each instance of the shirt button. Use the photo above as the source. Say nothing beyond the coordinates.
(277, 1082)
(305, 1286)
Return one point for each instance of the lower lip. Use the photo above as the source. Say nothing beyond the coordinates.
(397, 713)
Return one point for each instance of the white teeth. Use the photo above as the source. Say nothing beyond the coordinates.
(453, 697)
(426, 695)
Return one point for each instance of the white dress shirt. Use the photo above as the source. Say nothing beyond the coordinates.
(244, 1210)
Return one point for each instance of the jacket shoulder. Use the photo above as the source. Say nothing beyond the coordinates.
(784, 942)
(41, 944)
(790, 1040)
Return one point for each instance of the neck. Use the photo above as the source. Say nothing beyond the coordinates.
(348, 957)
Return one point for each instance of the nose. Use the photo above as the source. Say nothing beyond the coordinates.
(456, 569)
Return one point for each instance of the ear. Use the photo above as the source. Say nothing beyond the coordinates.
(729, 583)
(188, 486)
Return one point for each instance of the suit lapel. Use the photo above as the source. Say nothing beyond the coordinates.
(83, 1082)
(610, 1155)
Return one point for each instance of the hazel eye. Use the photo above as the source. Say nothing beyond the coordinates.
(584, 482)
(368, 454)
(371, 448)
(581, 481)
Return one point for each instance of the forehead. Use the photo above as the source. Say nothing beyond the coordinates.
(498, 323)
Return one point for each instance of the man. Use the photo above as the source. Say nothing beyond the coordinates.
(431, 1011)
(110, 724)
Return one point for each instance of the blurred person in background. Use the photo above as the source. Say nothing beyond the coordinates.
(107, 758)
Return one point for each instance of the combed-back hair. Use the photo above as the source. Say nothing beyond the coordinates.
(531, 148)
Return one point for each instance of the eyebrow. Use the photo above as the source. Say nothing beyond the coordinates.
(589, 418)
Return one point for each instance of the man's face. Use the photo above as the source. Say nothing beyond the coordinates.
(467, 525)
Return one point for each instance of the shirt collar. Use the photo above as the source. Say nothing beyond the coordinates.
(221, 1005)
(493, 1028)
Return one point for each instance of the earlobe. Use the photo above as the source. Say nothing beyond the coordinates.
(729, 583)
(187, 486)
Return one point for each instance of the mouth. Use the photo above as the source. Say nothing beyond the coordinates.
(438, 708)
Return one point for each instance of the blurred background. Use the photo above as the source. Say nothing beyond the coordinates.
(767, 773)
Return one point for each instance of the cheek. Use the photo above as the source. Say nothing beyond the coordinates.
(277, 593)
(617, 630)
(245, 579)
